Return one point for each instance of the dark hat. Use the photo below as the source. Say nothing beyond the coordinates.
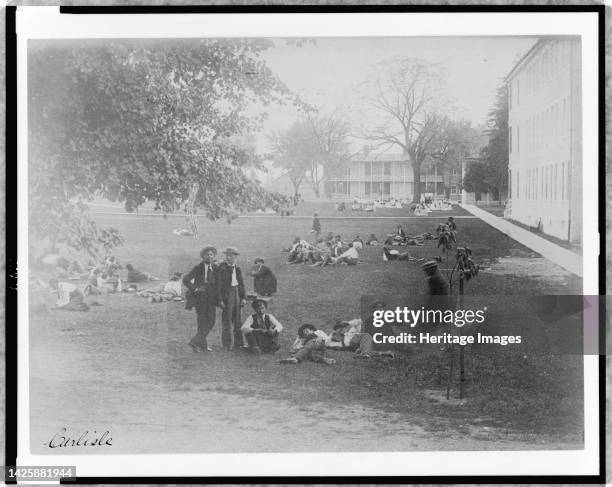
(305, 326)
(231, 250)
(430, 266)
(258, 260)
(451, 218)
(256, 301)
(206, 249)
(378, 303)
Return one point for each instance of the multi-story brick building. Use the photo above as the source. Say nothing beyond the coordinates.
(545, 138)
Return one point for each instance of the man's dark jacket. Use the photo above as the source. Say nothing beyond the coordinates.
(201, 291)
(224, 281)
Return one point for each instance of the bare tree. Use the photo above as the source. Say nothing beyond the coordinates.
(407, 92)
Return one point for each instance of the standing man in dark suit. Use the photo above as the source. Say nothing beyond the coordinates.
(201, 284)
(230, 288)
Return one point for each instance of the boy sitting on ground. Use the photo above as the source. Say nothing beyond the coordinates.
(309, 345)
(350, 257)
(261, 330)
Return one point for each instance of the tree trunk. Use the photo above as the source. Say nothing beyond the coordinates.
(416, 168)
(296, 186)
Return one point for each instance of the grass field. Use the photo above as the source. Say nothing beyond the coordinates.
(125, 366)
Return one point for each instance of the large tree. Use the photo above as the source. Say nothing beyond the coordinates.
(407, 92)
(495, 153)
(490, 174)
(455, 139)
(133, 121)
(314, 147)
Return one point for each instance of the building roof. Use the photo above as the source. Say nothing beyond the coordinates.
(523, 60)
(380, 157)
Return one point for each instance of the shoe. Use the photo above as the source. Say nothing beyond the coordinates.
(362, 356)
(388, 354)
(329, 361)
(289, 360)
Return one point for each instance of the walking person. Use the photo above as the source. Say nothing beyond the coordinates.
(316, 227)
(201, 284)
(230, 289)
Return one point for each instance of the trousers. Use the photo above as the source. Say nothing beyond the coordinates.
(231, 335)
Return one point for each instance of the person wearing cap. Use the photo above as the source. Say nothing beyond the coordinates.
(350, 256)
(201, 284)
(451, 224)
(436, 284)
(230, 289)
(261, 329)
(264, 280)
(310, 344)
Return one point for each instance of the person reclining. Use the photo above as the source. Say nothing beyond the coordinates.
(373, 240)
(261, 330)
(389, 253)
(137, 276)
(309, 345)
(70, 297)
(350, 257)
(347, 335)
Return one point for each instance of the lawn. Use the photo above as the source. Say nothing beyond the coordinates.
(125, 365)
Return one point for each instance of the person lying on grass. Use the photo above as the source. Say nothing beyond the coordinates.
(350, 256)
(309, 345)
(321, 254)
(70, 297)
(389, 253)
(137, 276)
(347, 335)
(261, 329)
(373, 240)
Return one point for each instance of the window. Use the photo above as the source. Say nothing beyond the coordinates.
(510, 140)
(453, 189)
(563, 181)
(368, 188)
(387, 189)
(368, 172)
(387, 168)
(518, 139)
(556, 182)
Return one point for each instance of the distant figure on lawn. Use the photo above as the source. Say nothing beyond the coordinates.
(232, 296)
(389, 253)
(70, 297)
(373, 240)
(316, 226)
(451, 224)
(137, 276)
(261, 330)
(264, 280)
(309, 345)
(201, 284)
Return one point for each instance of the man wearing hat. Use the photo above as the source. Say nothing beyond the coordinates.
(309, 345)
(261, 329)
(230, 289)
(436, 284)
(201, 284)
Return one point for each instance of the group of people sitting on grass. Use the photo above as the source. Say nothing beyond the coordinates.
(329, 250)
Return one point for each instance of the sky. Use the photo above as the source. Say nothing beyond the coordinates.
(325, 73)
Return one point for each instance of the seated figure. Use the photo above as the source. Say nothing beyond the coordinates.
(261, 330)
(309, 345)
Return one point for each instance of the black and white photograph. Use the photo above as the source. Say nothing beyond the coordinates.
(308, 244)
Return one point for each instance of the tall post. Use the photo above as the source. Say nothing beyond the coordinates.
(461, 347)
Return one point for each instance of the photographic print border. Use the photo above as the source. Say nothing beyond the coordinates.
(11, 232)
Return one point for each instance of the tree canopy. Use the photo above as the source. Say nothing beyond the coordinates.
(315, 146)
(133, 121)
(490, 174)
